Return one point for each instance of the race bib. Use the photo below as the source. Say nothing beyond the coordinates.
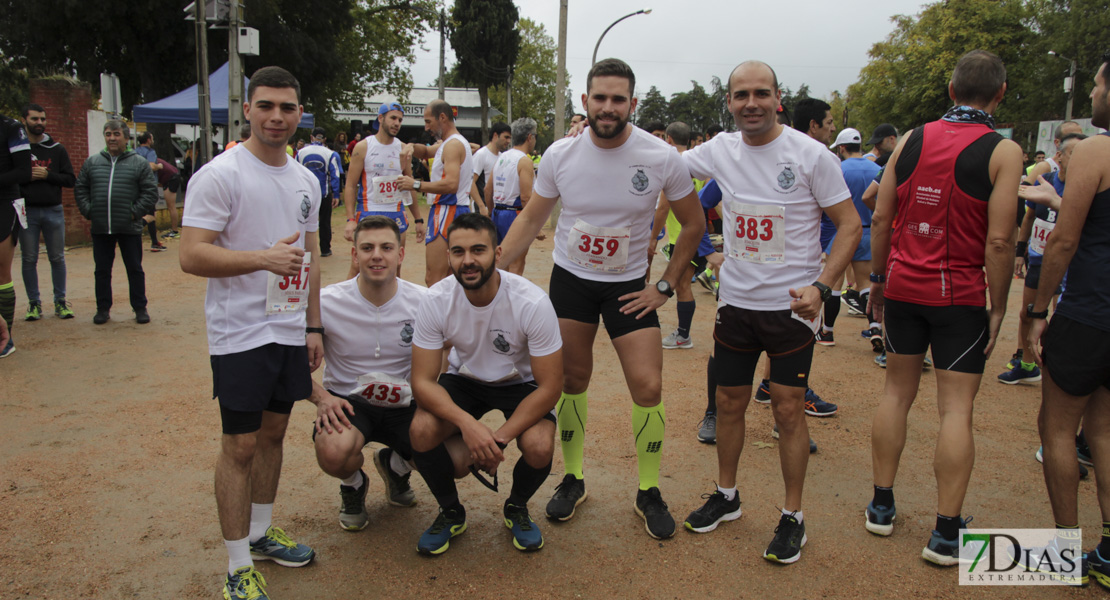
(285, 293)
(1039, 239)
(384, 390)
(758, 233)
(603, 249)
(386, 190)
(20, 211)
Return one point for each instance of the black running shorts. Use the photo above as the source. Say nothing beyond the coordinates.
(740, 336)
(588, 301)
(9, 223)
(1076, 355)
(389, 426)
(477, 398)
(268, 378)
(958, 335)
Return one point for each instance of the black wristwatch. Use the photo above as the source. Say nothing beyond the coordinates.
(319, 330)
(418, 220)
(877, 278)
(1035, 315)
(664, 288)
(826, 291)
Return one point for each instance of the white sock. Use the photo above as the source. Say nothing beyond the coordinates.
(826, 328)
(797, 515)
(398, 465)
(836, 293)
(238, 554)
(355, 480)
(730, 493)
(875, 325)
(261, 517)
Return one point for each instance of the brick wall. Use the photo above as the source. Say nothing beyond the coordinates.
(67, 104)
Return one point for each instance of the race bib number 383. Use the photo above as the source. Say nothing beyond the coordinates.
(288, 293)
(602, 249)
(758, 233)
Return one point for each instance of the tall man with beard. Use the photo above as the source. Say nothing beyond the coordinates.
(609, 181)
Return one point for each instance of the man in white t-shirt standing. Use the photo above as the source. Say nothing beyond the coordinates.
(451, 176)
(506, 355)
(775, 183)
(250, 228)
(510, 183)
(609, 181)
(366, 397)
(500, 140)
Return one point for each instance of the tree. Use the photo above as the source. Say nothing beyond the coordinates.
(533, 80)
(696, 108)
(486, 40)
(653, 107)
(718, 94)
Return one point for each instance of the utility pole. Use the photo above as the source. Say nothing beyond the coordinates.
(442, 59)
(560, 68)
(509, 96)
(235, 70)
(202, 152)
(1071, 91)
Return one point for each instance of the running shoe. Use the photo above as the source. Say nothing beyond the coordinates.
(9, 349)
(34, 311)
(1058, 564)
(568, 495)
(171, 234)
(706, 280)
(1019, 374)
(717, 508)
(526, 534)
(398, 492)
(790, 537)
(1083, 450)
(651, 508)
(875, 334)
(666, 250)
(881, 360)
(812, 444)
(325, 254)
(62, 309)
(816, 407)
(280, 548)
(707, 429)
(825, 338)
(674, 340)
(763, 392)
(437, 538)
(851, 299)
(159, 247)
(1083, 472)
(352, 505)
(1015, 359)
(1099, 568)
(246, 583)
(927, 364)
(880, 519)
(940, 551)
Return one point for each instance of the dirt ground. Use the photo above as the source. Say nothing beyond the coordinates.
(110, 435)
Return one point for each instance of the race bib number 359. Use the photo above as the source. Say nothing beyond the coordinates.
(602, 249)
(288, 293)
(758, 233)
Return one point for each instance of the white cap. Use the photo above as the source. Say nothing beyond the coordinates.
(847, 136)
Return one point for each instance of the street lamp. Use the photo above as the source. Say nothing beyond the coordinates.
(646, 11)
(1069, 82)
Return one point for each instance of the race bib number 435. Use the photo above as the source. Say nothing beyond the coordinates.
(384, 390)
(602, 249)
(288, 293)
(758, 234)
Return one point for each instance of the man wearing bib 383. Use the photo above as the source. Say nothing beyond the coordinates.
(609, 181)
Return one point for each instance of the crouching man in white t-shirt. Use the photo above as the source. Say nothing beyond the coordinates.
(506, 355)
(368, 325)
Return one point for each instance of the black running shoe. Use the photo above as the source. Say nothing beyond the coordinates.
(876, 339)
(790, 536)
(657, 519)
(851, 299)
(717, 508)
(940, 551)
(1099, 568)
(568, 495)
(763, 392)
(352, 506)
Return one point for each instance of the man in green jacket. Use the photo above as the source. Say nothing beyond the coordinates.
(114, 189)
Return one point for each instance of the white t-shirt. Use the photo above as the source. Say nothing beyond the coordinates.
(777, 191)
(493, 343)
(460, 196)
(483, 162)
(609, 198)
(361, 339)
(506, 181)
(253, 206)
(384, 161)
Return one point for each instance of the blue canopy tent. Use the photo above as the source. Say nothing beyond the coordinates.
(183, 107)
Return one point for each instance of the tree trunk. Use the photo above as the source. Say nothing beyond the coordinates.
(483, 96)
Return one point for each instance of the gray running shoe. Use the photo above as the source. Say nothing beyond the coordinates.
(674, 341)
(352, 506)
(707, 429)
(397, 489)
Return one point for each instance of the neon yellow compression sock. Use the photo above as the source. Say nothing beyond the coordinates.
(571, 411)
(649, 425)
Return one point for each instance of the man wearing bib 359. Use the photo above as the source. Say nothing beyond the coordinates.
(250, 228)
(609, 181)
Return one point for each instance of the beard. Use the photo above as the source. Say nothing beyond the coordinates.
(37, 129)
(606, 134)
(486, 274)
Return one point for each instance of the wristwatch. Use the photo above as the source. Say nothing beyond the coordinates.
(877, 278)
(664, 288)
(826, 291)
(1035, 315)
(418, 220)
(416, 185)
(319, 330)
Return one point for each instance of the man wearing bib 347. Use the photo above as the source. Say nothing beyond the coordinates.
(250, 228)
(609, 181)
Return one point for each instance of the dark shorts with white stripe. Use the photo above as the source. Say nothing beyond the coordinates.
(957, 334)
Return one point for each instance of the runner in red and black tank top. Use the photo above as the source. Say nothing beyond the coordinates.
(937, 246)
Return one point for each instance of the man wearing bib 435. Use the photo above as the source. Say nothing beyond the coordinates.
(609, 182)
(250, 228)
(775, 182)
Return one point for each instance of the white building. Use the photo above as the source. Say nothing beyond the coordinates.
(468, 111)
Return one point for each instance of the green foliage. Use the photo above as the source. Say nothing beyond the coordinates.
(15, 92)
(653, 107)
(486, 40)
(533, 84)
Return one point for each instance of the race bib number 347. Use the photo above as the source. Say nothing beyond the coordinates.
(758, 233)
(288, 293)
(602, 249)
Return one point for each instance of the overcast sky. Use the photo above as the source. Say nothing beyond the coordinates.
(821, 43)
